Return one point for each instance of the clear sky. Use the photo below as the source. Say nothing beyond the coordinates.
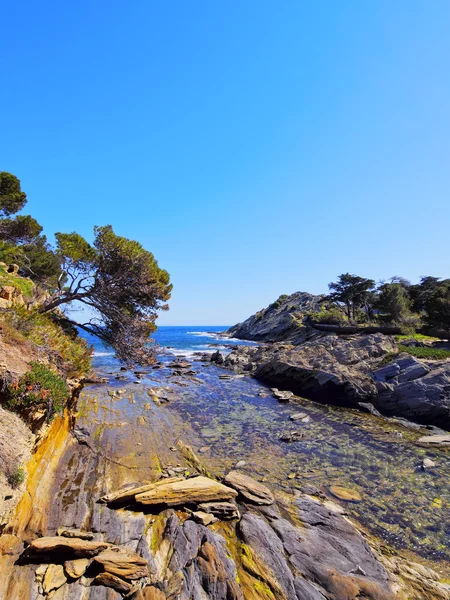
(255, 147)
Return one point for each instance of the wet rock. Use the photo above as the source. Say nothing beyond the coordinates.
(76, 568)
(54, 578)
(114, 582)
(298, 416)
(217, 358)
(249, 488)
(63, 548)
(185, 491)
(224, 511)
(240, 464)
(346, 494)
(75, 533)
(123, 563)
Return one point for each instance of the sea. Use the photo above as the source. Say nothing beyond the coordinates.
(178, 340)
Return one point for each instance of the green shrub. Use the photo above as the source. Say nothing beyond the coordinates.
(39, 387)
(329, 316)
(425, 352)
(17, 477)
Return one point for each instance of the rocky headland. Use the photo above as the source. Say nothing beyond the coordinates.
(327, 364)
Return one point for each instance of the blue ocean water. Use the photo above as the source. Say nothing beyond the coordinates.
(177, 340)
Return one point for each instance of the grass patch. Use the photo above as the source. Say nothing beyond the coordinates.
(25, 286)
(425, 352)
(420, 337)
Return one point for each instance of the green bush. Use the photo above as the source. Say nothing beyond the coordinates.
(329, 316)
(17, 477)
(39, 387)
(425, 352)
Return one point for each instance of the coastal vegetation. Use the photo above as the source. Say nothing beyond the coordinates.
(355, 300)
(118, 281)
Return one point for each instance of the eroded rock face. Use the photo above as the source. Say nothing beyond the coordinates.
(123, 563)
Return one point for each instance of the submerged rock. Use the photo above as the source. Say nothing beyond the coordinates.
(345, 494)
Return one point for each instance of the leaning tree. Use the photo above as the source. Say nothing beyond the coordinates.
(121, 284)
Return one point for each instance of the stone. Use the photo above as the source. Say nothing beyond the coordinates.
(283, 396)
(123, 563)
(185, 491)
(298, 416)
(249, 488)
(203, 518)
(224, 511)
(76, 568)
(54, 578)
(291, 436)
(428, 463)
(204, 449)
(240, 464)
(75, 533)
(110, 580)
(345, 494)
(61, 547)
(436, 440)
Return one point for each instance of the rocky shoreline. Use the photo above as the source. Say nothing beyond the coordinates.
(153, 524)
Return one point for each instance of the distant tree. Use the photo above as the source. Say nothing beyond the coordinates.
(422, 292)
(438, 305)
(120, 282)
(352, 293)
(393, 299)
(12, 199)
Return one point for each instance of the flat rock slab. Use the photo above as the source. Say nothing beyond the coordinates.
(298, 416)
(109, 580)
(64, 548)
(123, 563)
(441, 440)
(249, 488)
(54, 578)
(185, 491)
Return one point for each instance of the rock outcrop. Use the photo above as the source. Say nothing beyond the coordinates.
(353, 370)
(282, 320)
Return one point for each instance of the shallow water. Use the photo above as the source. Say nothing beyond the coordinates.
(403, 504)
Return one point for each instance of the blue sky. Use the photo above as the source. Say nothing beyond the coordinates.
(256, 148)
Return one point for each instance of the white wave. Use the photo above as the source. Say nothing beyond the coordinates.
(103, 353)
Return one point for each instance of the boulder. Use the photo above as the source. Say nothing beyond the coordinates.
(249, 488)
(203, 518)
(298, 416)
(127, 494)
(185, 491)
(149, 593)
(123, 563)
(435, 440)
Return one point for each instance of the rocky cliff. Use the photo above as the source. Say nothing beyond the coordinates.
(284, 319)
